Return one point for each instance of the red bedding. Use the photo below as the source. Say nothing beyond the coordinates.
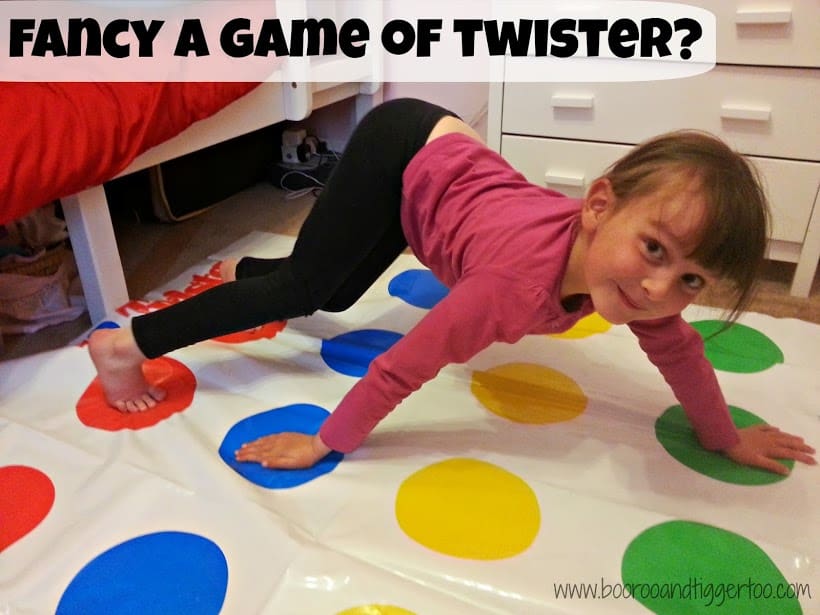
(59, 138)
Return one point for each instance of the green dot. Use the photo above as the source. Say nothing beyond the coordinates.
(682, 567)
(739, 348)
(678, 438)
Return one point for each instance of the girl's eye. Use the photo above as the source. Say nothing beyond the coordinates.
(653, 249)
(693, 281)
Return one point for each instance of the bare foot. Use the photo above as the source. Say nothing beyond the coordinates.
(227, 269)
(119, 361)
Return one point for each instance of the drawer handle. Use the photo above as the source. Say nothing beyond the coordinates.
(572, 101)
(752, 114)
(763, 16)
(562, 179)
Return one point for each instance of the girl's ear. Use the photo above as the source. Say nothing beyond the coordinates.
(599, 202)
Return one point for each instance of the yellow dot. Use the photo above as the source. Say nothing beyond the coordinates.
(528, 393)
(376, 609)
(469, 509)
(588, 325)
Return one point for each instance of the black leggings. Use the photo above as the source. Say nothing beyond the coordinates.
(352, 234)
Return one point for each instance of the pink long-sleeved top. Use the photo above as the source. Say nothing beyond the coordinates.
(501, 245)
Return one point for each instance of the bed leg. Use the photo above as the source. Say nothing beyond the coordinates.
(95, 250)
(370, 96)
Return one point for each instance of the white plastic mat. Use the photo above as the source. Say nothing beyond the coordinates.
(448, 508)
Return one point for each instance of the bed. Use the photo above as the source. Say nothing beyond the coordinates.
(93, 132)
(64, 140)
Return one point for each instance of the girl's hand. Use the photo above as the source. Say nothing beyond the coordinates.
(284, 450)
(761, 445)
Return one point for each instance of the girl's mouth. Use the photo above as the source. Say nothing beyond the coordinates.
(625, 298)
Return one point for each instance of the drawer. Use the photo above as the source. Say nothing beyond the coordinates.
(758, 110)
(792, 189)
(570, 166)
(782, 33)
(566, 166)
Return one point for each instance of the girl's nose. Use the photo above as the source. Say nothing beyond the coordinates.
(658, 286)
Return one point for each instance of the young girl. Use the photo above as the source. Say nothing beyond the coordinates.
(670, 218)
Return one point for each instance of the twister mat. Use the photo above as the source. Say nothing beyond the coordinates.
(556, 475)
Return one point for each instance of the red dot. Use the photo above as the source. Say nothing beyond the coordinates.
(267, 331)
(26, 496)
(177, 380)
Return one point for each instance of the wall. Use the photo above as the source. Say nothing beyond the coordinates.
(468, 100)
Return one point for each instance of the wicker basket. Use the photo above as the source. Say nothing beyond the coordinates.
(44, 264)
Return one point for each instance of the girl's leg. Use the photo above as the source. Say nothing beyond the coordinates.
(361, 216)
(352, 234)
(357, 217)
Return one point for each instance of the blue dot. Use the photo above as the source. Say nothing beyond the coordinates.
(166, 572)
(418, 287)
(300, 418)
(107, 324)
(351, 353)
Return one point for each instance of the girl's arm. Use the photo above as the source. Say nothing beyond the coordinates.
(678, 352)
(479, 310)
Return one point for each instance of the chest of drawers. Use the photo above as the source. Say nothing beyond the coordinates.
(761, 98)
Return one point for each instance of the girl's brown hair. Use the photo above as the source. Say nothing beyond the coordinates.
(734, 231)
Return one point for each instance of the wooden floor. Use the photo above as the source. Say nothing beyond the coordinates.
(154, 253)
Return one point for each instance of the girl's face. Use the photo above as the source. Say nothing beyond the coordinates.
(636, 265)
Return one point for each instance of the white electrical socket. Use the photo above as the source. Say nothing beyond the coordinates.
(290, 153)
(293, 137)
